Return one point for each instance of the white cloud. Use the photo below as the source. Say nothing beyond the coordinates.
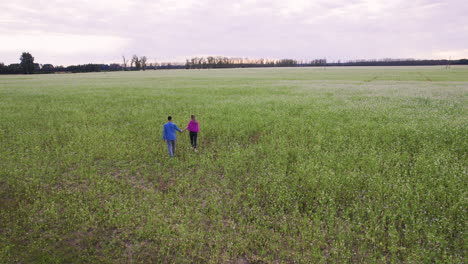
(60, 43)
(451, 54)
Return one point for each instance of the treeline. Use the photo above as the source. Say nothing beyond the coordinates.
(399, 62)
(226, 62)
(15, 68)
(136, 63)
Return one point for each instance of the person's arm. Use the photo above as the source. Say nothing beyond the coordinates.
(178, 129)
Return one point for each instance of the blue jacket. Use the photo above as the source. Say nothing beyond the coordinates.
(169, 131)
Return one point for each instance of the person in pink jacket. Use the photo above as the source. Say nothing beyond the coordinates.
(193, 128)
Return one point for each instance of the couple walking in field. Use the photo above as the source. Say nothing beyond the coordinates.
(169, 133)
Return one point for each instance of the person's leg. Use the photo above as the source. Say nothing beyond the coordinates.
(191, 138)
(173, 147)
(169, 148)
(195, 135)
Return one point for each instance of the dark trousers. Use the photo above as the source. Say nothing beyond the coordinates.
(193, 139)
(171, 147)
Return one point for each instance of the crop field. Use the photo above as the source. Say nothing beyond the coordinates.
(295, 165)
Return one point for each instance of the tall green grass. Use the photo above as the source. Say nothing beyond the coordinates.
(302, 165)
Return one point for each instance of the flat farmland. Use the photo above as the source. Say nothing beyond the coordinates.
(304, 165)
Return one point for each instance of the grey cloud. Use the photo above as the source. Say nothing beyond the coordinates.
(336, 29)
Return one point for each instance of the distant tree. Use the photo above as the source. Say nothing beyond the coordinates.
(27, 63)
(47, 68)
(137, 62)
(59, 68)
(132, 61)
(210, 60)
(115, 67)
(286, 63)
(125, 61)
(143, 62)
(86, 68)
(14, 68)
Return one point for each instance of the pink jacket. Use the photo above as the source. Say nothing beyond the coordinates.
(193, 126)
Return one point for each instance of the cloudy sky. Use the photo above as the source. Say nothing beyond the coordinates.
(64, 32)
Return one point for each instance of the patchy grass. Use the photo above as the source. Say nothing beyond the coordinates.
(295, 165)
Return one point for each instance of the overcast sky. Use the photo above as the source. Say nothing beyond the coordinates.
(64, 32)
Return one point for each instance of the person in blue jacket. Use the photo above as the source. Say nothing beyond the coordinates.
(169, 134)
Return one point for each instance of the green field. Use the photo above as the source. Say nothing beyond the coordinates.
(305, 165)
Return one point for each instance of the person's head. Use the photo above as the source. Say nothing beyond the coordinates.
(169, 118)
(193, 117)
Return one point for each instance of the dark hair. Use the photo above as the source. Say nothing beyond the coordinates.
(169, 118)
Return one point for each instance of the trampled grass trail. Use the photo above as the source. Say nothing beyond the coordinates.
(307, 165)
